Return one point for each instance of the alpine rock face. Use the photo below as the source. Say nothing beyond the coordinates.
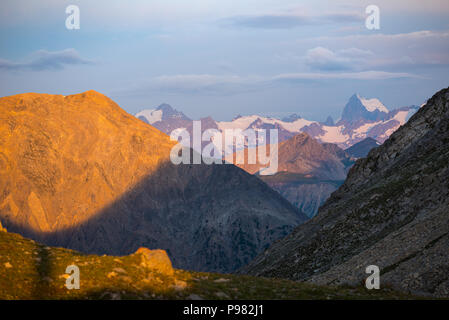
(79, 172)
(392, 211)
(359, 108)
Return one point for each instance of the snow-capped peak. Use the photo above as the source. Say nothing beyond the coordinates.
(372, 104)
(151, 116)
(161, 113)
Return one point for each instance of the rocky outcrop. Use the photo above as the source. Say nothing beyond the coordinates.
(392, 211)
(79, 172)
(156, 260)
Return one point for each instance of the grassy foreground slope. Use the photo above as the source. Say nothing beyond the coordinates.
(29, 270)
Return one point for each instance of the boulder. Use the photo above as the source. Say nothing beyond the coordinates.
(156, 260)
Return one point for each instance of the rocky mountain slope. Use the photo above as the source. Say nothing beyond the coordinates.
(361, 118)
(79, 172)
(308, 172)
(303, 155)
(392, 211)
(30, 270)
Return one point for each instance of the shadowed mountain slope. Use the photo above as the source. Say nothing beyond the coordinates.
(79, 172)
(392, 211)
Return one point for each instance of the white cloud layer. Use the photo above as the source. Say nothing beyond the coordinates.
(402, 50)
(324, 59)
(292, 20)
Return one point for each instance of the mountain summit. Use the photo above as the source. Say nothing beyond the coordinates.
(359, 108)
(164, 118)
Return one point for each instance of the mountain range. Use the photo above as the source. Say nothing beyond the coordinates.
(392, 211)
(361, 118)
(79, 172)
(364, 124)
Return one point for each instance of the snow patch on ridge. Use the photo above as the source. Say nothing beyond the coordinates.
(373, 104)
(244, 122)
(402, 117)
(333, 135)
(152, 116)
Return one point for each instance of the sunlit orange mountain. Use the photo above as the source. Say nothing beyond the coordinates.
(303, 155)
(79, 172)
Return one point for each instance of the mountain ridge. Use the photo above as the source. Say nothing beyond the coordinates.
(361, 118)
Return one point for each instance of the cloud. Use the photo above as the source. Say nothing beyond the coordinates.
(363, 75)
(292, 20)
(206, 84)
(390, 52)
(272, 21)
(324, 59)
(46, 60)
(415, 36)
(355, 53)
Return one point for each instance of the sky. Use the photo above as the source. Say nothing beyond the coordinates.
(224, 58)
